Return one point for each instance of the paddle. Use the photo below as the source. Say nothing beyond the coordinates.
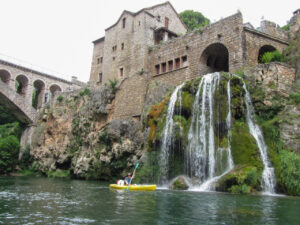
(136, 166)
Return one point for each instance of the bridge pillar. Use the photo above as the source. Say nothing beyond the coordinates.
(26, 139)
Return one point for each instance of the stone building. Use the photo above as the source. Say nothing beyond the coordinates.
(121, 53)
(152, 46)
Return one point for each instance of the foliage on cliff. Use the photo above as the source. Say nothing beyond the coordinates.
(77, 138)
(193, 19)
(292, 53)
(274, 108)
(10, 133)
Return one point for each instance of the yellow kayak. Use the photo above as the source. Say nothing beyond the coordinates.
(134, 187)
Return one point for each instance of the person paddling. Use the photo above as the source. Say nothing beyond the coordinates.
(129, 178)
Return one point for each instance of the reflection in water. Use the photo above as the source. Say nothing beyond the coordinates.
(56, 201)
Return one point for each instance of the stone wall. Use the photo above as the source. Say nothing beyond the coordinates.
(274, 76)
(125, 49)
(97, 61)
(226, 32)
(273, 29)
(129, 100)
(254, 40)
(47, 82)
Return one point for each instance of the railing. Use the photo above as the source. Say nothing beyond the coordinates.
(32, 67)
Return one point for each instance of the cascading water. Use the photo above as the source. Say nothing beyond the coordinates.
(202, 155)
(167, 135)
(268, 177)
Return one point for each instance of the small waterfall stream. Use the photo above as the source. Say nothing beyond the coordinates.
(268, 176)
(168, 135)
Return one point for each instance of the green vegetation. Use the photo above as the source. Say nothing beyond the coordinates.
(193, 19)
(6, 116)
(85, 92)
(113, 85)
(10, 134)
(290, 172)
(242, 180)
(35, 97)
(9, 149)
(59, 174)
(286, 27)
(274, 56)
(60, 98)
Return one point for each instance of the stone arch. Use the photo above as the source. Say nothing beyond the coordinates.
(38, 93)
(215, 58)
(21, 84)
(263, 50)
(54, 89)
(5, 76)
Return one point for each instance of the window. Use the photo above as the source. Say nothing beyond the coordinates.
(114, 48)
(46, 97)
(164, 67)
(121, 72)
(157, 69)
(124, 22)
(177, 63)
(139, 23)
(184, 61)
(170, 65)
(99, 60)
(122, 46)
(100, 77)
(167, 22)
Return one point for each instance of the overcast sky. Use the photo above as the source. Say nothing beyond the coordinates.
(57, 35)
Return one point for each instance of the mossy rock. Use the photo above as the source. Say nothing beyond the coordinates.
(244, 147)
(179, 184)
(243, 180)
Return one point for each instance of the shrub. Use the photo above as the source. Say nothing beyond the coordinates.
(60, 98)
(85, 91)
(295, 98)
(9, 149)
(290, 172)
(274, 56)
(113, 83)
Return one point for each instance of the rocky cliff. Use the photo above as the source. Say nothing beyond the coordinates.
(77, 135)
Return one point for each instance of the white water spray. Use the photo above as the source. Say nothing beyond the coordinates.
(167, 135)
(268, 177)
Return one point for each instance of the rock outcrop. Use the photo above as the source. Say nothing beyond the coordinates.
(77, 133)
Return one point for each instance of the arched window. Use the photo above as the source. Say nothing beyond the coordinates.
(5, 76)
(21, 84)
(263, 50)
(38, 93)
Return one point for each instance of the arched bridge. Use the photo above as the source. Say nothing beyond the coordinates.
(24, 91)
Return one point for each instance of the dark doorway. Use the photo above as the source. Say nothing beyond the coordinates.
(214, 59)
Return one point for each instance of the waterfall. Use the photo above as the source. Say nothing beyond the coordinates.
(209, 184)
(268, 177)
(202, 155)
(205, 157)
(167, 135)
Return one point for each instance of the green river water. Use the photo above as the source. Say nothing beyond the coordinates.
(25, 200)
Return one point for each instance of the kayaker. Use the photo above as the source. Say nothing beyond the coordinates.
(128, 179)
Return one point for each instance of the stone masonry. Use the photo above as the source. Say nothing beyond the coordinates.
(18, 84)
(152, 46)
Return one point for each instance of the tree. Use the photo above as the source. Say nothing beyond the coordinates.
(193, 19)
(9, 148)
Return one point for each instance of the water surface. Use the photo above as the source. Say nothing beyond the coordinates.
(25, 200)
